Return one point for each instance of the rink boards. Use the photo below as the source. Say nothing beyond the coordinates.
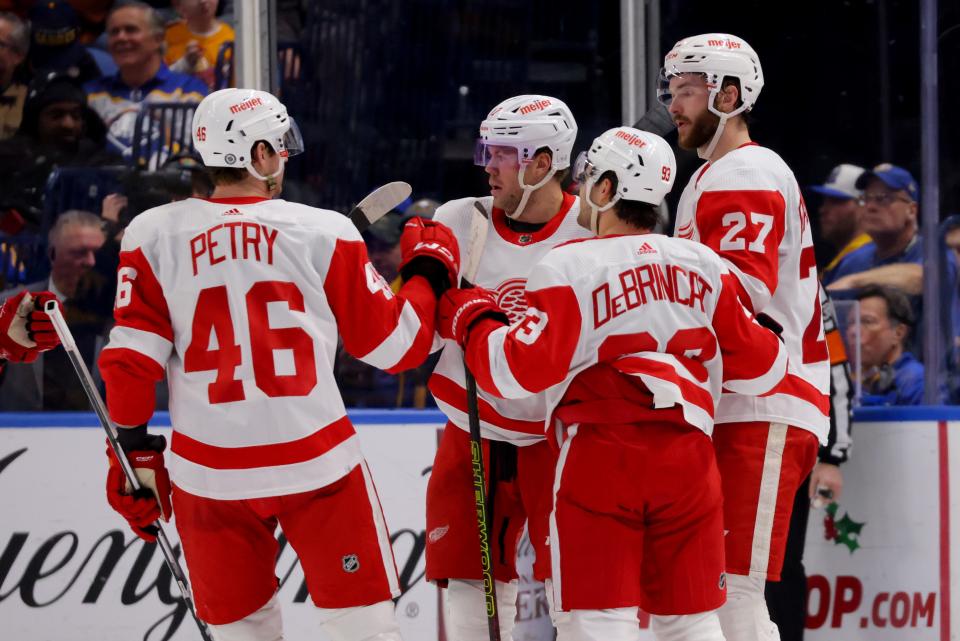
(882, 566)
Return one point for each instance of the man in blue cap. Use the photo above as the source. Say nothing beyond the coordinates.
(840, 214)
(894, 258)
(890, 216)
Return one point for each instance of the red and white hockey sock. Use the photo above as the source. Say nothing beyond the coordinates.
(744, 617)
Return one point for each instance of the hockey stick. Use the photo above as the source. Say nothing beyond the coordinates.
(479, 222)
(66, 338)
(378, 203)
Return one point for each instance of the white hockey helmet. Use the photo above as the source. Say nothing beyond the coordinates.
(643, 163)
(529, 123)
(716, 56)
(228, 122)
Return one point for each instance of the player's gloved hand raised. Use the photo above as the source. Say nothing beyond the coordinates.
(25, 329)
(152, 501)
(429, 249)
(461, 308)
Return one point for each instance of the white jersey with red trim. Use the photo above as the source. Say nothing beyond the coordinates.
(748, 208)
(241, 301)
(661, 309)
(508, 257)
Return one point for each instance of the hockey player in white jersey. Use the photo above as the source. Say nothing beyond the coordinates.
(241, 297)
(525, 146)
(745, 204)
(631, 334)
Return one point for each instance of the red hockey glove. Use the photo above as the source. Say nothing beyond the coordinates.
(25, 329)
(429, 249)
(461, 308)
(152, 501)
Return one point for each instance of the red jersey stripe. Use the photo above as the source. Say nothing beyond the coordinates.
(254, 456)
(449, 392)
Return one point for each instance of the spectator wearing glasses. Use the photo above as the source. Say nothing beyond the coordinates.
(890, 216)
(891, 374)
(14, 43)
(841, 215)
(894, 258)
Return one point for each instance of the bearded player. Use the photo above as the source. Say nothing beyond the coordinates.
(744, 203)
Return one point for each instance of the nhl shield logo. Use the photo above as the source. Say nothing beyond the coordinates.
(525, 238)
(351, 563)
(722, 583)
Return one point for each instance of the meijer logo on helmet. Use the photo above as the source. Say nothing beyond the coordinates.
(632, 139)
(729, 44)
(536, 105)
(246, 104)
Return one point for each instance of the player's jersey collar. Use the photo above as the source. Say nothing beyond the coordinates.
(530, 237)
(236, 200)
(708, 164)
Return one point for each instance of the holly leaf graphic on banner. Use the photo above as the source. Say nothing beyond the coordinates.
(848, 532)
(843, 531)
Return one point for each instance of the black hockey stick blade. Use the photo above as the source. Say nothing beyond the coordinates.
(657, 120)
(378, 204)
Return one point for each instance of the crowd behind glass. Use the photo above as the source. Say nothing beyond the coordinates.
(95, 110)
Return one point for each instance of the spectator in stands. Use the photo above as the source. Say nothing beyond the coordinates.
(135, 40)
(55, 42)
(14, 43)
(195, 41)
(58, 129)
(950, 233)
(841, 215)
(891, 375)
(49, 383)
(894, 257)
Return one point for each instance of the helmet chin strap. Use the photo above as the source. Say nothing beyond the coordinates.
(527, 190)
(705, 153)
(595, 209)
(271, 180)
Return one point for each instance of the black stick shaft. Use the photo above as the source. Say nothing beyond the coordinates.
(483, 515)
(478, 237)
(86, 381)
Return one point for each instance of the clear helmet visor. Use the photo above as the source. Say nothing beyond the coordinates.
(481, 153)
(698, 83)
(583, 169)
(488, 154)
(664, 97)
(292, 140)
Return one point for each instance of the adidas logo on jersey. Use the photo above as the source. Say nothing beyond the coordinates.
(646, 248)
(232, 212)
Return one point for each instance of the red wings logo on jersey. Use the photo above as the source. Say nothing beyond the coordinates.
(510, 297)
(686, 231)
